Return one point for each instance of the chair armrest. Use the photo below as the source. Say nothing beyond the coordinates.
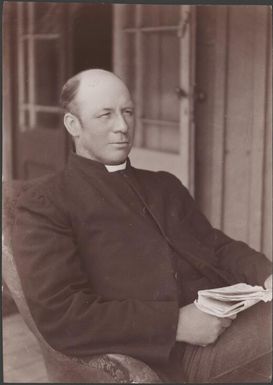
(138, 371)
(106, 368)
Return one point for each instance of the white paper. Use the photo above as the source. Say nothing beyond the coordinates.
(230, 300)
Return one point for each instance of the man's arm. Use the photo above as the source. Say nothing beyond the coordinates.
(236, 257)
(245, 263)
(69, 314)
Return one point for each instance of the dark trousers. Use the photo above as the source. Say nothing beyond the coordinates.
(248, 338)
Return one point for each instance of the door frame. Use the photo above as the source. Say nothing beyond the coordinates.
(181, 165)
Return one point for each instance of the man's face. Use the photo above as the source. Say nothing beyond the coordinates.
(106, 119)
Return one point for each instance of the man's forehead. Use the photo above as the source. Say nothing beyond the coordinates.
(97, 78)
(91, 81)
(104, 89)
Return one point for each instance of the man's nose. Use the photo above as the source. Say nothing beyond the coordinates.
(120, 124)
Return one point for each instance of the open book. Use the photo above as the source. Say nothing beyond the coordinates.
(229, 300)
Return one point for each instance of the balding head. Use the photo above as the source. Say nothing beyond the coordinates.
(85, 80)
(99, 115)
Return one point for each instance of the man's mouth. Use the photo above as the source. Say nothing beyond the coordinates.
(120, 143)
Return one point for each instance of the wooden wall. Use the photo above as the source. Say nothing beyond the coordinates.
(233, 128)
(7, 161)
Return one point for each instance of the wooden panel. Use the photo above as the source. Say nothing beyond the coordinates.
(258, 109)
(231, 186)
(245, 130)
(156, 97)
(219, 116)
(205, 82)
(239, 121)
(187, 34)
(7, 133)
(267, 196)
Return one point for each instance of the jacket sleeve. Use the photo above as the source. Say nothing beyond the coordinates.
(72, 318)
(243, 263)
(246, 264)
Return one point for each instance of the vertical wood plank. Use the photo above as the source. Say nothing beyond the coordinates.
(62, 46)
(267, 174)
(7, 127)
(119, 61)
(239, 121)
(204, 110)
(192, 42)
(258, 128)
(219, 121)
(139, 77)
(186, 84)
(31, 63)
(21, 65)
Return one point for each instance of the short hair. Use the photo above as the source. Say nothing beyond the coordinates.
(68, 94)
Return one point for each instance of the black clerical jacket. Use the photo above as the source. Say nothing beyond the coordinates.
(103, 257)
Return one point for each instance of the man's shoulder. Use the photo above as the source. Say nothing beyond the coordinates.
(43, 190)
(163, 178)
(152, 174)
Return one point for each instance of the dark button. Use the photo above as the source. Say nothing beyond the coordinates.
(175, 275)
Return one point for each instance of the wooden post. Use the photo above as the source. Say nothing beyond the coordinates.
(219, 120)
(186, 84)
(258, 128)
(7, 126)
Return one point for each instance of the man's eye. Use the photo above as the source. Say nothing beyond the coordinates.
(129, 112)
(105, 115)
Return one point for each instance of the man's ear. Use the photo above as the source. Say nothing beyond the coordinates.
(72, 124)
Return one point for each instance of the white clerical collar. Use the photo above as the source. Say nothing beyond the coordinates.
(116, 167)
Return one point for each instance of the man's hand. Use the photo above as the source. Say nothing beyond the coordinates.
(268, 283)
(198, 328)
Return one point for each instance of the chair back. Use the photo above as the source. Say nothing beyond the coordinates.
(106, 368)
(11, 193)
(60, 368)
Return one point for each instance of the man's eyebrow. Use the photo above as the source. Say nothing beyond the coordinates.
(104, 109)
(107, 109)
(130, 107)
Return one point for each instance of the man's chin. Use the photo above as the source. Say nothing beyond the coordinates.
(116, 162)
(117, 157)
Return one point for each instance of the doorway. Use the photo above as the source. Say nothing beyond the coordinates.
(92, 37)
(54, 41)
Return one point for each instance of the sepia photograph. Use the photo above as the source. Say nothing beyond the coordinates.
(136, 193)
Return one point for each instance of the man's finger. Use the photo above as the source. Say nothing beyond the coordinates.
(268, 283)
(234, 316)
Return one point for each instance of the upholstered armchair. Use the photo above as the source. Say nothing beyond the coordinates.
(108, 368)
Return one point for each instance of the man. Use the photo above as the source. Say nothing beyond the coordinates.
(111, 257)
